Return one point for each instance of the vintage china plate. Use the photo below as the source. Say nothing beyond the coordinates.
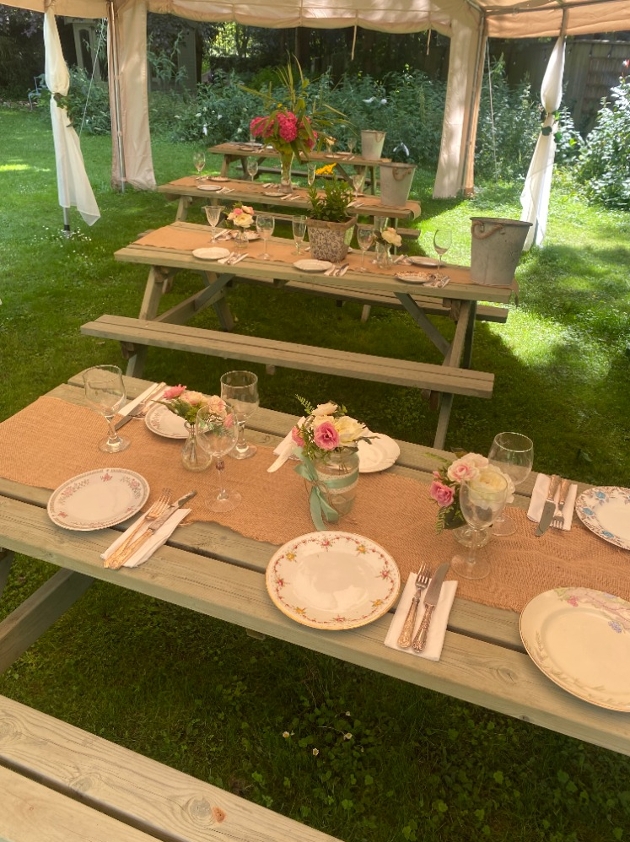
(161, 421)
(429, 262)
(332, 580)
(580, 639)
(210, 253)
(209, 188)
(98, 499)
(312, 265)
(218, 178)
(416, 277)
(606, 512)
(378, 455)
(274, 194)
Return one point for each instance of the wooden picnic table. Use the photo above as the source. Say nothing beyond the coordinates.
(169, 250)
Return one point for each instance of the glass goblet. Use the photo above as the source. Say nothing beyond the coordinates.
(265, 224)
(481, 503)
(311, 171)
(442, 241)
(199, 160)
(351, 143)
(239, 389)
(213, 215)
(252, 168)
(298, 223)
(105, 393)
(365, 238)
(357, 182)
(513, 453)
(217, 435)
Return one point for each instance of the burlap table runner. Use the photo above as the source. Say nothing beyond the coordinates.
(51, 441)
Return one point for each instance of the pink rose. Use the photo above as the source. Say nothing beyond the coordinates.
(326, 436)
(228, 421)
(173, 392)
(443, 494)
(297, 437)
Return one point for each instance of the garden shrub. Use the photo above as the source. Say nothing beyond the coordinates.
(604, 166)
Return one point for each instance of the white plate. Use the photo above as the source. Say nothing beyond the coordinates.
(274, 194)
(218, 178)
(580, 639)
(98, 499)
(378, 455)
(429, 262)
(160, 420)
(312, 265)
(606, 512)
(332, 580)
(416, 277)
(209, 188)
(213, 253)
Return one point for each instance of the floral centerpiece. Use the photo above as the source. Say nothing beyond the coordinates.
(447, 481)
(329, 225)
(186, 404)
(328, 440)
(388, 237)
(241, 216)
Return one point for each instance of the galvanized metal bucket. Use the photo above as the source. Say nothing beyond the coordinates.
(496, 248)
(372, 144)
(396, 182)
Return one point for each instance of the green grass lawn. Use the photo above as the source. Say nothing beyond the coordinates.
(359, 755)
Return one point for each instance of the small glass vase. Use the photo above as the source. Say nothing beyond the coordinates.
(241, 240)
(383, 255)
(286, 161)
(338, 477)
(194, 457)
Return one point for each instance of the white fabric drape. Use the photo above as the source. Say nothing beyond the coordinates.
(537, 189)
(73, 185)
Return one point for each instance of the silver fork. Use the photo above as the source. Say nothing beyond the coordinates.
(422, 580)
(557, 521)
(158, 508)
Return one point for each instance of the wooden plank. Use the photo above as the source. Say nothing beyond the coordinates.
(6, 562)
(291, 355)
(131, 788)
(31, 812)
(37, 613)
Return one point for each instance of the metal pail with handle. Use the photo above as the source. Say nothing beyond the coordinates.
(372, 144)
(495, 249)
(396, 182)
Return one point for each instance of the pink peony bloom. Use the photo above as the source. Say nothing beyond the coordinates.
(173, 392)
(297, 437)
(443, 494)
(326, 436)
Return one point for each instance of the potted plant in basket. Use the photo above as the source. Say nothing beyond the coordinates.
(329, 225)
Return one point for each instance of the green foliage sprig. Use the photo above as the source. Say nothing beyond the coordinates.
(332, 204)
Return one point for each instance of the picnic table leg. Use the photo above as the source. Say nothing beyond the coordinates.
(182, 208)
(6, 560)
(470, 331)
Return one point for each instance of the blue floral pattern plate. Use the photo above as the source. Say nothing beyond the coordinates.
(580, 639)
(606, 512)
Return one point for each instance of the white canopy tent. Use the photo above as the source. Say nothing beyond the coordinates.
(468, 23)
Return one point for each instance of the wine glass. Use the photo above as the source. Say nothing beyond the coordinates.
(365, 238)
(199, 160)
(481, 503)
(357, 182)
(265, 223)
(217, 435)
(351, 143)
(442, 241)
(513, 453)
(252, 168)
(213, 214)
(105, 393)
(298, 223)
(311, 171)
(239, 389)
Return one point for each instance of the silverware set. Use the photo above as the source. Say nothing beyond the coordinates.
(553, 513)
(433, 586)
(141, 410)
(233, 259)
(337, 271)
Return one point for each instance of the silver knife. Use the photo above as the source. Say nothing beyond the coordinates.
(549, 509)
(151, 529)
(431, 599)
(140, 408)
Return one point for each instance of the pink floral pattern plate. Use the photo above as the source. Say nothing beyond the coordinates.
(333, 580)
(98, 499)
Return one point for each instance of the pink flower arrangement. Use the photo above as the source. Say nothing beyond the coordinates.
(187, 403)
(241, 216)
(285, 131)
(327, 428)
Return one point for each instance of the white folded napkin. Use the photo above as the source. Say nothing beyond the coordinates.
(439, 620)
(148, 547)
(539, 496)
(128, 407)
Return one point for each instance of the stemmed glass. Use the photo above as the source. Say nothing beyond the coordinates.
(105, 393)
(352, 142)
(298, 223)
(217, 435)
(252, 168)
(213, 215)
(513, 453)
(265, 224)
(365, 238)
(357, 182)
(311, 171)
(481, 504)
(239, 389)
(199, 160)
(442, 241)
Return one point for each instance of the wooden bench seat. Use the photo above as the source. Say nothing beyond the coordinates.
(136, 333)
(59, 782)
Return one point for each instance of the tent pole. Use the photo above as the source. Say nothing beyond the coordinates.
(468, 186)
(115, 70)
(66, 222)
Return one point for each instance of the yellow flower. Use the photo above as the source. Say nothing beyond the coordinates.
(328, 169)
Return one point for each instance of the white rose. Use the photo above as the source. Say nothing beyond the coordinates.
(325, 409)
(243, 220)
(193, 397)
(349, 429)
(321, 419)
(216, 405)
(390, 236)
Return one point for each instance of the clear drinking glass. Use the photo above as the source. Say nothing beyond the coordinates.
(481, 504)
(357, 182)
(298, 223)
(239, 389)
(311, 169)
(199, 160)
(513, 453)
(252, 168)
(365, 238)
(105, 393)
(218, 436)
(265, 224)
(442, 241)
(213, 215)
